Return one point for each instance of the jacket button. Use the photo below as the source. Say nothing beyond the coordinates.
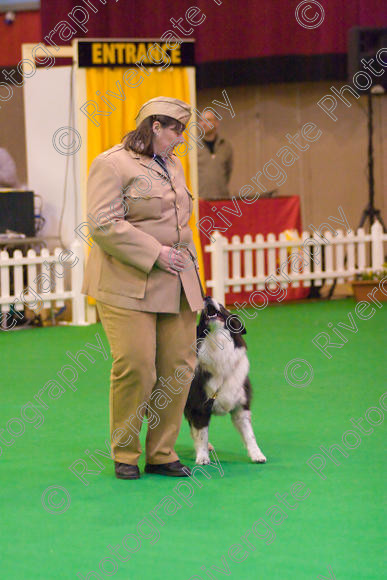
(177, 206)
(179, 228)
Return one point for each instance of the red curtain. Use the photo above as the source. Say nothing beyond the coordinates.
(246, 29)
(231, 30)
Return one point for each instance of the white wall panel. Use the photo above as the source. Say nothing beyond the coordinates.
(47, 109)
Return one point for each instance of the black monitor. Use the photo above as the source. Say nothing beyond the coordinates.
(17, 212)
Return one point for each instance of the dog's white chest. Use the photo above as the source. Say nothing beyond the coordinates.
(229, 368)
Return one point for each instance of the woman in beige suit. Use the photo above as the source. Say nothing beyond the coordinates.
(143, 274)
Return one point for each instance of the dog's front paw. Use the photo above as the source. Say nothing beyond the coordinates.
(202, 459)
(257, 457)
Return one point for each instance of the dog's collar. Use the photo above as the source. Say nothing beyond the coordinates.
(211, 400)
(213, 396)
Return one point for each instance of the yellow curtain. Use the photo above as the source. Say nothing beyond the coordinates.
(169, 83)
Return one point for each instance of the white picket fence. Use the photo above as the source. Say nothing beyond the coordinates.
(17, 275)
(290, 263)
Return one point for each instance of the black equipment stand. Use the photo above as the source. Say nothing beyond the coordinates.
(370, 211)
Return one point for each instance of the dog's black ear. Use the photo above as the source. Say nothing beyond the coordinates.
(224, 312)
(235, 324)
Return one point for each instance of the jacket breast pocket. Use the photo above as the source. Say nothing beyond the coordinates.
(144, 207)
(122, 279)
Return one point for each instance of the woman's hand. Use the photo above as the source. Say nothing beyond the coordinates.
(171, 260)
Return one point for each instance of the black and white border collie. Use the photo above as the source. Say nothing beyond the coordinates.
(220, 384)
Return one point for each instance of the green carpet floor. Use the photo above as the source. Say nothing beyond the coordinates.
(336, 532)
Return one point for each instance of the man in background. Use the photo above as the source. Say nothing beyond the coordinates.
(214, 160)
(8, 175)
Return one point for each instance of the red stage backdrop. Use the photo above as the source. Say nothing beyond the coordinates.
(230, 31)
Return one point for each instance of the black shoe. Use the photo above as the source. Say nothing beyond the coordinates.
(174, 469)
(126, 471)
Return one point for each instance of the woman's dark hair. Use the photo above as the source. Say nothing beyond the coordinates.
(140, 140)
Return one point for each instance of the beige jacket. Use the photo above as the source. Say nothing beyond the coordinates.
(121, 267)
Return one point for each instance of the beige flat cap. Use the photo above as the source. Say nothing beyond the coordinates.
(174, 108)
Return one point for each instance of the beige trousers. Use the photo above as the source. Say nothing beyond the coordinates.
(153, 363)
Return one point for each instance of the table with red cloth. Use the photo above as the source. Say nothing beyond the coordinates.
(263, 216)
